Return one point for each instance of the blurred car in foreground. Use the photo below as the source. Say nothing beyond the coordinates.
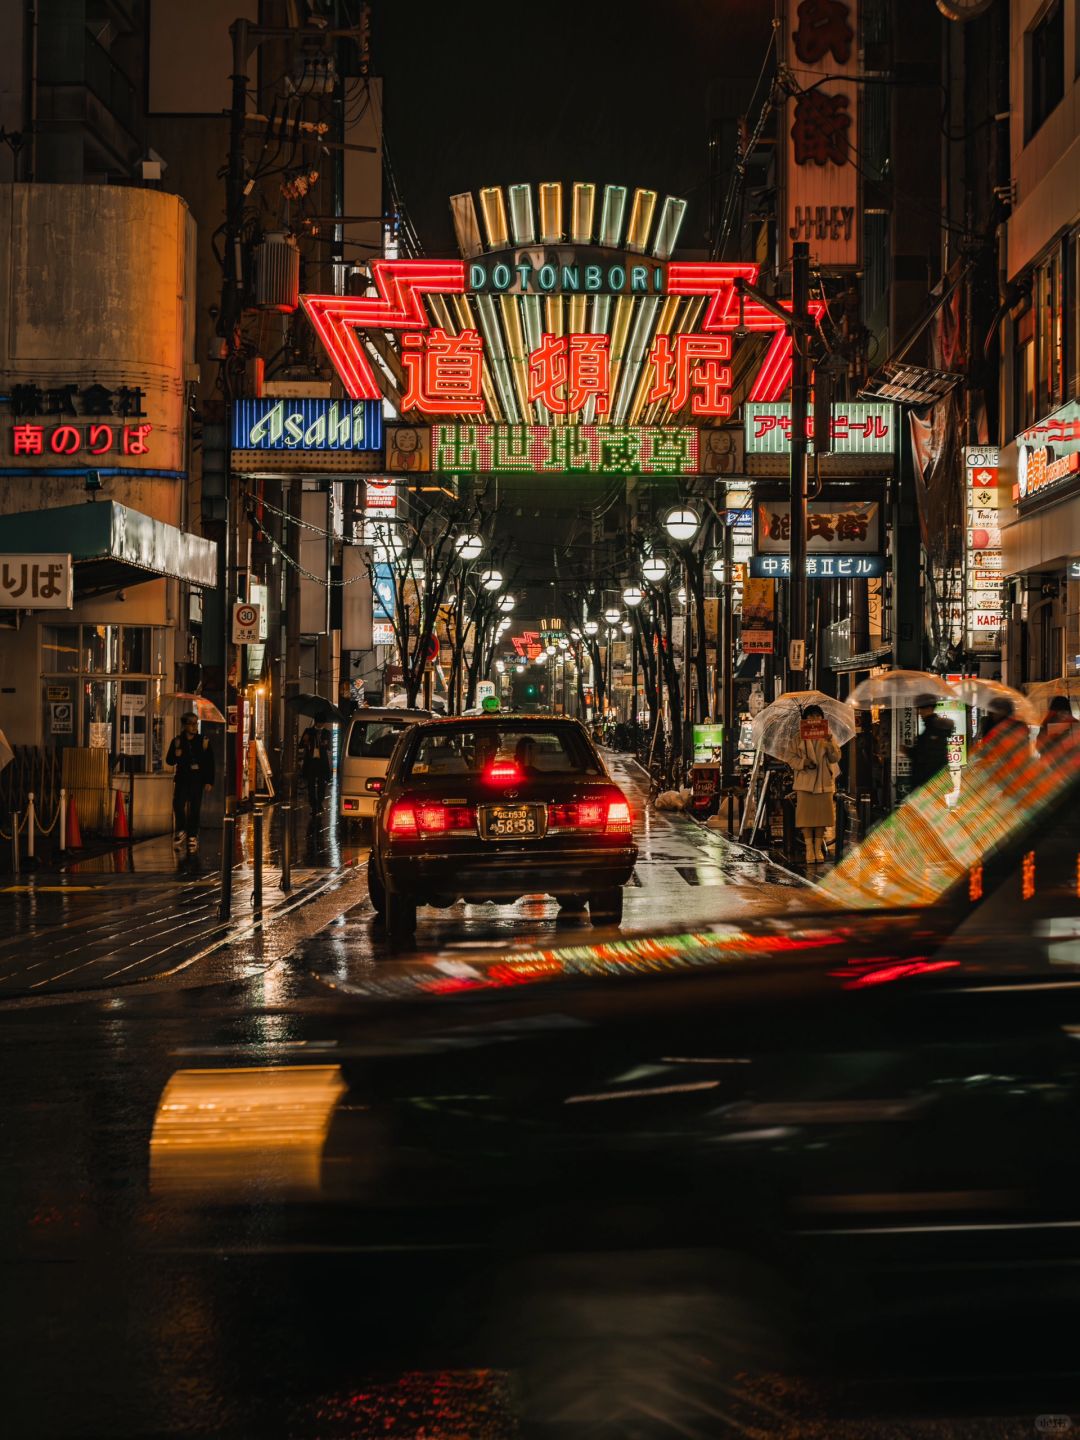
(493, 808)
(370, 738)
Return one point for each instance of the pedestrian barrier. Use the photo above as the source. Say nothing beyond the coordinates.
(32, 827)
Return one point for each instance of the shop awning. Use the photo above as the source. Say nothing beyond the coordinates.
(111, 545)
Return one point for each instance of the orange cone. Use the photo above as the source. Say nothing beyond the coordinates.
(120, 825)
(74, 834)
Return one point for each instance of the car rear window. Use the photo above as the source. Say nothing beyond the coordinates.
(538, 749)
(374, 739)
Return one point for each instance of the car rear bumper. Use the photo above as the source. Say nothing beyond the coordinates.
(509, 876)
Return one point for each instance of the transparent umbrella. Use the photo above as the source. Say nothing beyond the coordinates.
(1041, 694)
(205, 709)
(776, 729)
(897, 688)
(991, 694)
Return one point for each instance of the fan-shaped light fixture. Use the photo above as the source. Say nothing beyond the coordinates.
(682, 523)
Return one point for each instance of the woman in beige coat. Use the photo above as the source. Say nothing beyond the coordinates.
(815, 767)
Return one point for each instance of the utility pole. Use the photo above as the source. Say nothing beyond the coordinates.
(800, 386)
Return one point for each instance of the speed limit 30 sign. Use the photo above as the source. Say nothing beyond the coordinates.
(245, 623)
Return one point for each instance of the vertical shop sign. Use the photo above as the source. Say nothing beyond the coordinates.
(821, 124)
(758, 616)
(984, 587)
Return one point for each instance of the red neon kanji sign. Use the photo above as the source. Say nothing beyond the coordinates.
(445, 372)
(567, 369)
(399, 306)
(691, 367)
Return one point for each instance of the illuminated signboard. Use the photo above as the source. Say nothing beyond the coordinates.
(565, 449)
(1061, 430)
(307, 425)
(1039, 468)
(858, 428)
(819, 567)
(501, 359)
(832, 528)
(984, 587)
(524, 272)
(383, 592)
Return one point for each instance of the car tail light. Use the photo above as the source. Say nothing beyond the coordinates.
(349, 803)
(612, 816)
(412, 819)
(402, 819)
(502, 772)
(619, 819)
(375, 786)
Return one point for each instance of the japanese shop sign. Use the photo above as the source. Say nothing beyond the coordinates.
(307, 424)
(69, 432)
(384, 592)
(1040, 468)
(1061, 430)
(566, 272)
(36, 582)
(858, 428)
(832, 528)
(565, 449)
(533, 372)
(821, 204)
(758, 616)
(380, 499)
(382, 633)
(984, 588)
(820, 567)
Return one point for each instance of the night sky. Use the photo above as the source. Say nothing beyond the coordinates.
(483, 93)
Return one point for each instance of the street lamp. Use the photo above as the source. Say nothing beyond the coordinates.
(633, 596)
(520, 667)
(719, 569)
(590, 627)
(626, 627)
(575, 634)
(680, 594)
(611, 615)
(550, 649)
(506, 604)
(491, 579)
(654, 569)
(500, 666)
(682, 523)
(564, 643)
(469, 547)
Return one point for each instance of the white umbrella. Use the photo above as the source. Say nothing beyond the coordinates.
(777, 728)
(991, 694)
(899, 688)
(7, 754)
(1044, 691)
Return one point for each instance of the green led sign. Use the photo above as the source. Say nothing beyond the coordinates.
(565, 449)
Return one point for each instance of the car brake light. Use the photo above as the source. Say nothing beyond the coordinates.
(502, 772)
(619, 819)
(374, 785)
(411, 819)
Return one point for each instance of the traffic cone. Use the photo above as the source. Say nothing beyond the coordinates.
(120, 825)
(74, 834)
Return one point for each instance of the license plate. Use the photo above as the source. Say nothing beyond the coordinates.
(511, 822)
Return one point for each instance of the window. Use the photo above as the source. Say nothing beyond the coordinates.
(60, 649)
(1049, 337)
(535, 749)
(1024, 372)
(86, 703)
(1045, 67)
(375, 739)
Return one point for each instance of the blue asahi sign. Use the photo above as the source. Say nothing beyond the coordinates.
(303, 424)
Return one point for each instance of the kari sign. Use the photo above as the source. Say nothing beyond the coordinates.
(858, 428)
(306, 424)
(853, 528)
(821, 124)
(565, 449)
(36, 582)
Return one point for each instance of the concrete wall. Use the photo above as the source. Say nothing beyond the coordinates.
(97, 286)
(1047, 170)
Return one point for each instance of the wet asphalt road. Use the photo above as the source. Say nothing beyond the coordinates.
(158, 1293)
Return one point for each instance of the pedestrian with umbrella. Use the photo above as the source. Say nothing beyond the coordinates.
(1058, 724)
(929, 754)
(805, 729)
(193, 758)
(315, 745)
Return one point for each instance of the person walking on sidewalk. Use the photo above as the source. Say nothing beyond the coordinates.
(315, 764)
(816, 767)
(930, 752)
(193, 758)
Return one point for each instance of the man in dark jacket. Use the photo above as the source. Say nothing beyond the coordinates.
(190, 752)
(930, 753)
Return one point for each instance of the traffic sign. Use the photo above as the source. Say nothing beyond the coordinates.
(245, 623)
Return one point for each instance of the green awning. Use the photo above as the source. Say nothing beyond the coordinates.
(111, 545)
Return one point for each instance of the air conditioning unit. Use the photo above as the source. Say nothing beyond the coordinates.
(276, 271)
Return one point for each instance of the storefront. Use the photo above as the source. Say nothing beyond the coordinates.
(1039, 488)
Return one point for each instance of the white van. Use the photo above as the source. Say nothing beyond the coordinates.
(370, 736)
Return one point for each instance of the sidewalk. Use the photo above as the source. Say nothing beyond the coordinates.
(132, 916)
